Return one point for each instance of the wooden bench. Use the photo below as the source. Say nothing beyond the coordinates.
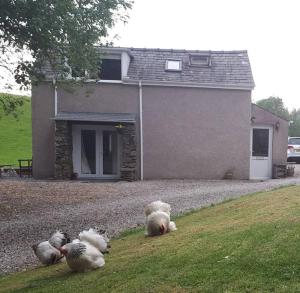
(25, 167)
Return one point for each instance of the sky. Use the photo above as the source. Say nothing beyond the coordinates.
(269, 30)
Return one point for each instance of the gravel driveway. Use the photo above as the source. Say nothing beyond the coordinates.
(31, 210)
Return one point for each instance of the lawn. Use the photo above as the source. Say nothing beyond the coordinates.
(15, 135)
(246, 245)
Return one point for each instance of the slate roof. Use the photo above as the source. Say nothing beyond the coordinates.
(96, 117)
(228, 68)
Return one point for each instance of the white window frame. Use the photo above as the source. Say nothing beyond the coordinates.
(173, 69)
(76, 133)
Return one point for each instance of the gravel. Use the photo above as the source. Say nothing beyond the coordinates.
(31, 210)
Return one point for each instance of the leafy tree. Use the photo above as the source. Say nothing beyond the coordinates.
(294, 129)
(57, 31)
(274, 105)
(10, 104)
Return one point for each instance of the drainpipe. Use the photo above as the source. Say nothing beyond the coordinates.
(141, 129)
(55, 96)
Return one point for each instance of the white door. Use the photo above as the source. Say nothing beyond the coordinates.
(95, 151)
(261, 152)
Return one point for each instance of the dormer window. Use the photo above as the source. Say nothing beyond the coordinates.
(110, 69)
(173, 65)
(202, 60)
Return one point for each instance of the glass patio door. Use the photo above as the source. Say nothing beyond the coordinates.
(95, 151)
(88, 152)
(110, 152)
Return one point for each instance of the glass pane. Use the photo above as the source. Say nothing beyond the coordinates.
(110, 69)
(88, 151)
(110, 153)
(294, 140)
(173, 65)
(260, 142)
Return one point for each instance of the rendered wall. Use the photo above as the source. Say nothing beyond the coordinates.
(280, 133)
(188, 132)
(43, 143)
(102, 98)
(196, 133)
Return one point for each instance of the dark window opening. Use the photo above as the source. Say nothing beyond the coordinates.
(260, 142)
(110, 69)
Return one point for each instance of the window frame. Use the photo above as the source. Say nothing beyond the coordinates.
(207, 63)
(173, 60)
(114, 59)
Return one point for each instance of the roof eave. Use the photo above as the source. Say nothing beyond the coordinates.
(190, 84)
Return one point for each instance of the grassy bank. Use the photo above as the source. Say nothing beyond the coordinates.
(15, 135)
(246, 245)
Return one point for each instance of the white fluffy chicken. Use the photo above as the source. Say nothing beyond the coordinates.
(85, 253)
(81, 256)
(48, 251)
(99, 240)
(158, 219)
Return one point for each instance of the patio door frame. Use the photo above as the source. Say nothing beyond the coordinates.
(99, 129)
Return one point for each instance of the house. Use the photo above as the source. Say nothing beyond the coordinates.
(156, 114)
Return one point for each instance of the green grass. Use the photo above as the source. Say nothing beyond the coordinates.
(15, 135)
(246, 245)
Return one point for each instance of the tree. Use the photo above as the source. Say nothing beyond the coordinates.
(294, 129)
(61, 32)
(274, 105)
(10, 104)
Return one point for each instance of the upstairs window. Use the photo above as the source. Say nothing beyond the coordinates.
(173, 65)
(110, 69)
(200, 60)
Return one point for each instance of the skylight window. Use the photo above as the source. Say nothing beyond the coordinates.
(200, 60)
(173, 65)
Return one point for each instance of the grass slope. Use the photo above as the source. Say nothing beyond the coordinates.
(15, 135)
(246, 245)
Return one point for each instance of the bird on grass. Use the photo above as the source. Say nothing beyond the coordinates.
(48, 251)
(156, 206)
(158, 219)
(98, 239)
(85, 254)
(81, 256)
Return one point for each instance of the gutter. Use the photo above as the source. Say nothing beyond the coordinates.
(189, 85)
(141, 130)
(127, 81)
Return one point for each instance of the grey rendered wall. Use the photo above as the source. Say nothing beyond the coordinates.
(188, 132)
(280, 134)
(196, 133)
(103, 98)
(42, 131)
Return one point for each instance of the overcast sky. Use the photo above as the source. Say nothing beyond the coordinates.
(269, 30)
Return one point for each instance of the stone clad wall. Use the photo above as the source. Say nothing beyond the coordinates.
(128, 152)
(63, 150)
